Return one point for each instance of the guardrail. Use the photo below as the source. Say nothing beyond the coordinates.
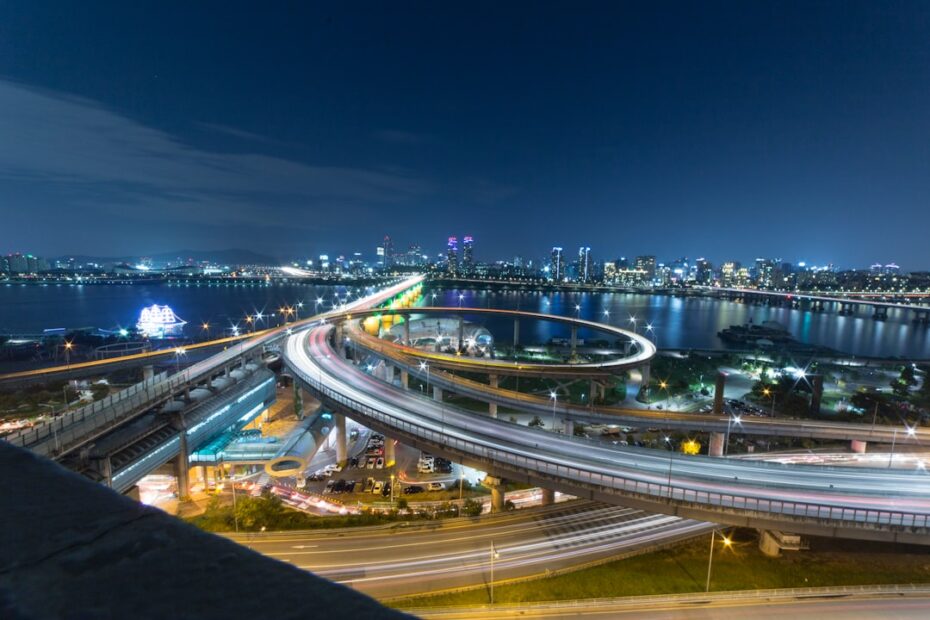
(664, 600)
(836, 516)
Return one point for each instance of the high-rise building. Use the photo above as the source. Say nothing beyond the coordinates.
(388, 251)
(584, 264)
(452, 256)
(17, 263)
(703, 271)
(468, 259)
(728, 273)
(646, 264)
(557, 265)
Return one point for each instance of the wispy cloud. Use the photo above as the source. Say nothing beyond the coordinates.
(93, 155)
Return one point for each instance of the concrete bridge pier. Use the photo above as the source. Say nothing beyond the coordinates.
(390, 452)
(516, 333)
(569, 427)
(341, 439)
(548, 497)
(922, 317)
(407, 330)
(644, 384)
(461, 334)
(182, 465)
(497, 492)
(437, 393)
(148, 372)
(716, 444)
(404, 379)
(880, 313)
(817, 392)
(574, 340)
(493, 381)
(719, 388)
(858, 446)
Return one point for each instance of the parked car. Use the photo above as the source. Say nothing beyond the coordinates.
(378, 487)
(412, 489)
(436, 486)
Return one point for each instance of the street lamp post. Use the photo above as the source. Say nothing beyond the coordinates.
(554, 396)
(461, 483)
(425, 366)
(68, 346)
(494, 556)
(911, 432)
(710, 560)
(726, 442)
(768, 392)
(392, 488)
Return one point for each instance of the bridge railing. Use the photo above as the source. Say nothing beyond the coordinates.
(837, 515)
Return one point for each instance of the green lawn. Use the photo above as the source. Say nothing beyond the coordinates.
(684, 569)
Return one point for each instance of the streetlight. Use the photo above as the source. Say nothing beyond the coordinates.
(606, 315)
(768, 392)
(710, 560)
(655, 337)
(392, 487)
(178, 352)
(68, 346)
(494, 556)
(663, 385)
(554, 396)
(425, 366)
(736, 420)
(577, 311)
(633, 321)
(911, 432)
(461, 482)
(461, 297)
(206, 328)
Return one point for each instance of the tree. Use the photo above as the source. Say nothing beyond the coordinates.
(298, 402)
(471, 508)
(536, 422)
(402, 504)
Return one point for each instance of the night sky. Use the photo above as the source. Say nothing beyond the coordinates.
(726, 130)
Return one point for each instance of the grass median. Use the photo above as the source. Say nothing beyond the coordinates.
(683, 569)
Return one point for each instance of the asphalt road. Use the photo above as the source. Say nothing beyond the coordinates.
(421, 557)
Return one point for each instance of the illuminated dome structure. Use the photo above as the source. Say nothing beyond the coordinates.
(160, 322)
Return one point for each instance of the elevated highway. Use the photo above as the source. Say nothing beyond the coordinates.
(407, 359)
(865, 503)
(71, 431)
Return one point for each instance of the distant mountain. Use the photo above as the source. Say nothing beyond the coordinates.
(223, 257)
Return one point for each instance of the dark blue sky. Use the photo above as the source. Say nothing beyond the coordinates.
(726, 130)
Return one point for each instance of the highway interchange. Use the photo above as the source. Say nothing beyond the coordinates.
(312, 357)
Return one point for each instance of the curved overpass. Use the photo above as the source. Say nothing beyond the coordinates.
(866, 504)
(646, 350)
(604, 414)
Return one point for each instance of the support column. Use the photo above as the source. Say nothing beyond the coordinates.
(548, 497)
(437, 393)
(493, 381)
(718, 393)
(148, 372)
(341, 439)
(516, 333)
(569, 426)
(574, 340)
(716, 444)
(461, 333)
(497, 493)
(644, 385)
(407, 330)
(404, 379)
(390, 452)
(817, 393)
(204, 475)
(858, 446)
(182, 462)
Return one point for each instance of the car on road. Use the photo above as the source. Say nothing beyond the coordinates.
(436, 486)
(369, 485)
(412, 489)
(371, 462)
(379, 463)
(387, 489)
(378, 487)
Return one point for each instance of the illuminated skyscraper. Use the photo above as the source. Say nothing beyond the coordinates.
(468, 259)
(557, 265)
(584, 264)
(452, 256)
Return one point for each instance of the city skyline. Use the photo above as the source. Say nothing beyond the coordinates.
(767, 131)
